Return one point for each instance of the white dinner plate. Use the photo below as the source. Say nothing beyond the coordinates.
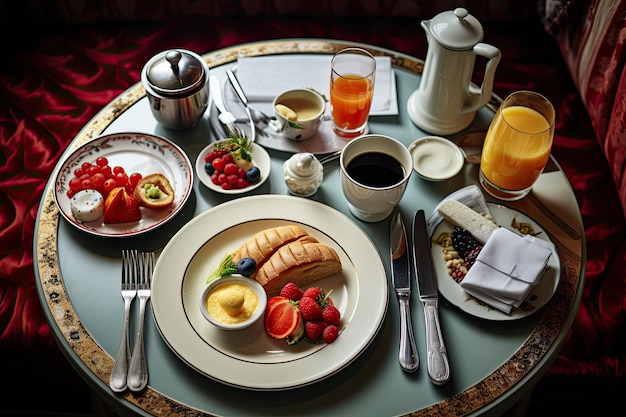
(453, 292)
(260, 158)
(249, 358)
(135, 152)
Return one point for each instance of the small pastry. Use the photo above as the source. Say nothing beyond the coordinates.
(154, 191)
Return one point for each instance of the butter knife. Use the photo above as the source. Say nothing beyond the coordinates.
(242, 97)
(226, 117)
(438, 367)
(400, 270)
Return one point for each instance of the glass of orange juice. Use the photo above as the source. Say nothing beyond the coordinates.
(351, 89)
(517, 145)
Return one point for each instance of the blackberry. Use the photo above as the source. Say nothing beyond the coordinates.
(463, 242)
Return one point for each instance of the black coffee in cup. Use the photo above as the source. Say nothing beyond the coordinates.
(375, 169)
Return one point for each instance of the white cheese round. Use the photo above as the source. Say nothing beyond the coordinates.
(87, 206)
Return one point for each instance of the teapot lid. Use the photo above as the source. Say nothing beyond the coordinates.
(175, 72)
(457, 30)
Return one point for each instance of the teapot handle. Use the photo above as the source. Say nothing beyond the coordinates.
(478, 97)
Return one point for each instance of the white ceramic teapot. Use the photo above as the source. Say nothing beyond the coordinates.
(446, 101)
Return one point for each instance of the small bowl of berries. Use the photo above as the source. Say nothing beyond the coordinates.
(233, 166)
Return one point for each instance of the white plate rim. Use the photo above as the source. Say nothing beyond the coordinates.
(166, 154)
(260, 158)
(453, 292)
(183, 339)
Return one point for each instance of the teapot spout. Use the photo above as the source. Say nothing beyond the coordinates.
(426, 26)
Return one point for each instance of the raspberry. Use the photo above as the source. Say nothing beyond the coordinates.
(309, 308)
(330, 333)
(314, 329)
(331, 315)
(291, 291)
(312, 292)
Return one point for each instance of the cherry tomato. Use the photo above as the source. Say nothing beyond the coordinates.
(134, 178)
(85, 166)
(87, 184)
(109, 184)
(106, 170)
(121, 179)
(227, 157)
(98, 180)
(93, 170)
(102, 161)
(78, 172)
(118, 169)
(75, 184)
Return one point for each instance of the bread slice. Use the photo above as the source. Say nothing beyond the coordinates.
(302, 262)
(264, 243)
(461, 215)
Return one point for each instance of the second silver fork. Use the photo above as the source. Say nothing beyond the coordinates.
(119, 372)
(138, 369)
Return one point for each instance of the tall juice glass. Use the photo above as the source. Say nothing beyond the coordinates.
(351, 89)
(517, 145)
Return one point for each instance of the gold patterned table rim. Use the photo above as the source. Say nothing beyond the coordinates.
(100, 362)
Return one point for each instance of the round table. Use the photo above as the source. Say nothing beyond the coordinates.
(493, 364)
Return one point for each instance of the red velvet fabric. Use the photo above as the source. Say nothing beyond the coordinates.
(56, 79)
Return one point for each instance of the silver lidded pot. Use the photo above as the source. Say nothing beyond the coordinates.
(176, 83)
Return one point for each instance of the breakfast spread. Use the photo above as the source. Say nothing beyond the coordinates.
(232, 303)
(98, 190)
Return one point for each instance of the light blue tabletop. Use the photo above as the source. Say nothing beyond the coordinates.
(493, 364)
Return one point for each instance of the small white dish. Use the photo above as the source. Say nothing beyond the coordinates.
(436, 158)
(260, 158)
(236, 279)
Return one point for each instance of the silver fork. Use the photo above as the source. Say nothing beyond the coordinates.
(117, 381)
(138, 370)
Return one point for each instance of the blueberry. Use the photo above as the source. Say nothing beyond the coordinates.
(246, 266)
(208, 167)
(253, 174)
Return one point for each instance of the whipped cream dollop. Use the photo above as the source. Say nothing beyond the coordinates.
(303, 174)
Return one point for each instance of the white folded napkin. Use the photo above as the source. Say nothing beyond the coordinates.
(507, 269)
(263, 78)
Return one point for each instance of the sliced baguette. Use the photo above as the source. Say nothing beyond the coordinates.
(461, 215)
(264, 243)
(302, 262)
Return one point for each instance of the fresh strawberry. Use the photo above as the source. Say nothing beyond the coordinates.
(331, 315)
(312, 292)
(330, 333)
(314, 329)
(282, 319)
(291, 291)
(309, 309)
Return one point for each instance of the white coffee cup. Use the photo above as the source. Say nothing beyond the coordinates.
(374, 172)
(299, 113)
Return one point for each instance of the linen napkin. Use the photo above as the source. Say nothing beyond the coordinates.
(507, 269)
(263, 78)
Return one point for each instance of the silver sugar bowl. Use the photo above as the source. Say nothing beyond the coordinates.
(176, 83)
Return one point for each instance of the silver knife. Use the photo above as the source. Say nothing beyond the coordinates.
(400, 270)
(242, 96)
(226, 117)
(438, 367)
